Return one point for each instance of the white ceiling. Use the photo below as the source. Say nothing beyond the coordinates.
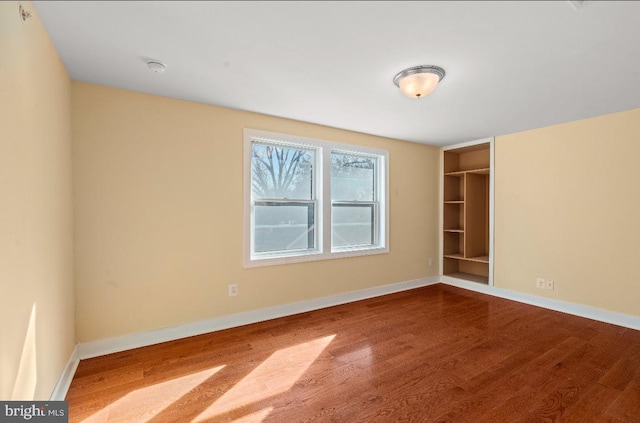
(511, 65)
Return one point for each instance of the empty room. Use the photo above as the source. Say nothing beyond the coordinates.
(301, 211)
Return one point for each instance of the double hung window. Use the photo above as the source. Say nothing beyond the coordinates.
(354, 200)
(309, 199)
(284, 199)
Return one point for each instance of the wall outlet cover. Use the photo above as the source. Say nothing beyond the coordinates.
(233, 290)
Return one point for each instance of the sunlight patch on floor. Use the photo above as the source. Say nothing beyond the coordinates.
(143, 404)
(256, 417)
(277, 374)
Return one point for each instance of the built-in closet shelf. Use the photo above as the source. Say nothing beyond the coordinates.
(465, 214)
(478, 259)
(470, 277)
(481, 171)
(459, 256)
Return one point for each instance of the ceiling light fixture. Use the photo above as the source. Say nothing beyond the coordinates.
(157, 67)
(419, 81)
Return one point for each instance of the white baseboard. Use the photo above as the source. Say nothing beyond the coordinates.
(62, 387)
(619, 319)
(127, 342)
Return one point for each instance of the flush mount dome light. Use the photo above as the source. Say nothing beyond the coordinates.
(419, 81)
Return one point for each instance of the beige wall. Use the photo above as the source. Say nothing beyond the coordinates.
(37, 329)
(567, 208)
(159, 215)
(158, 206)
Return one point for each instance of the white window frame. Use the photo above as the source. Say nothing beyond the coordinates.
(322, 175)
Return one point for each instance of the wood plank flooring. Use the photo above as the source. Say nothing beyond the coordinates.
(434, 354)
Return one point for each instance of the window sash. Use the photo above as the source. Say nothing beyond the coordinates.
(374, 225)
(310, 232)
(273, 144)
(372, 191)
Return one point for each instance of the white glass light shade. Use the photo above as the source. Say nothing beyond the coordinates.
(419, 84)
(419, 81)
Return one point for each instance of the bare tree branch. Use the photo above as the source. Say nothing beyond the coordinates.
(277, 171)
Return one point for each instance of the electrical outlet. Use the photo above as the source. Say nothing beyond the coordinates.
(233, 289)
(430, 261)
(540, 283)
(548, 284)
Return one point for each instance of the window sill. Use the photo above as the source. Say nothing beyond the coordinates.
(315, 256)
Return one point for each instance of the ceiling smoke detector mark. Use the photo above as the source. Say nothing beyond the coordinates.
(579, 4)
(156, 66)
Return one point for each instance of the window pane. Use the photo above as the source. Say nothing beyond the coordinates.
(352, 177)
(352, 225)
(283, 227)
(281, 172)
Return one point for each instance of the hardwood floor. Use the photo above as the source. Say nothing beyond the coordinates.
(434, 354)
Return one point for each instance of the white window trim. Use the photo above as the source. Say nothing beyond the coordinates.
(323, 172)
